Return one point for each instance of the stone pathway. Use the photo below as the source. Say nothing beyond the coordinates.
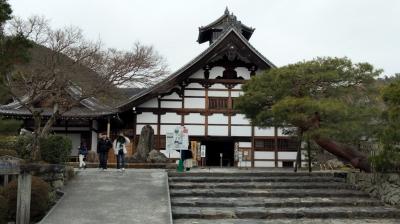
(94, 196)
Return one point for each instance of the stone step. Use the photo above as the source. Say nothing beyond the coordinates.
(255, 174)
(230, 192)
(288, 221)
(272, 202)
(262, 185)
(284, 213)
(254, 179)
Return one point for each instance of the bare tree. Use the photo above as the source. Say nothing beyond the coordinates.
(65, 69)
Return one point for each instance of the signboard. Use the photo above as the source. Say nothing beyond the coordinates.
(177, 140)
(169, 142)
(203, 151)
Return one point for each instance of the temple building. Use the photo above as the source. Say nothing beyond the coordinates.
(200, 96)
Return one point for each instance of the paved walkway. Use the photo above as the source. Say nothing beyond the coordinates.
(94, 196)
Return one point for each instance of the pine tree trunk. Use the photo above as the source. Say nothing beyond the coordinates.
(355, 157)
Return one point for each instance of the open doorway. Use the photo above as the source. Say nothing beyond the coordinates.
(213, 150)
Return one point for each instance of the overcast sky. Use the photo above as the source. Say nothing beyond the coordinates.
(287, 31)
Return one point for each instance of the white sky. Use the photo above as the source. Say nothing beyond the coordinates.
(287, 31)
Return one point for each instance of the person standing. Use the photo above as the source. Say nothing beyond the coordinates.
(119, 146)
(83, 151)
(103, 146)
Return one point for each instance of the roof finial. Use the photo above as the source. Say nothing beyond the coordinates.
(226, 10)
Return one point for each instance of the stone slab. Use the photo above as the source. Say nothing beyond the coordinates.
(132, 196)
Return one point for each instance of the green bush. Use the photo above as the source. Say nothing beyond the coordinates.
(3, 209)
(8, 142)
(388, 160)
(40, 200)
(55, 149)
(8, 152)
(9, 126)
(22, 144)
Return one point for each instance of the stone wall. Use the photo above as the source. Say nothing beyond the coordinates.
(55, 177)
(383, 186)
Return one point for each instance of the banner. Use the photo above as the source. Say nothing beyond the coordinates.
(177, 140)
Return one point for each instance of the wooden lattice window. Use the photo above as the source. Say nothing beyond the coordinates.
(264, 144)
(287, 144)
(218, 103)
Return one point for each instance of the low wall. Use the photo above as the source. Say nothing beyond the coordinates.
(383, 186)
(56, 176)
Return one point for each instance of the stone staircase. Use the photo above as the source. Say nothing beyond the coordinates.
(272, 198)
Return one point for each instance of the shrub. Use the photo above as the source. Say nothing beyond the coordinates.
(8, 142)
(8, 152)
(387, 160)
(22, 146)
(55, 149)
(39, 198)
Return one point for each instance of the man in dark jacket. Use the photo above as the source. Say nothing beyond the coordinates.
(103, 146)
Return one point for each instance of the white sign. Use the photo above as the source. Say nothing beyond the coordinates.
(203, 151)
(169, 142)
(177, 140)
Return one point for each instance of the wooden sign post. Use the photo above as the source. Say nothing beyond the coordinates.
(10, 166)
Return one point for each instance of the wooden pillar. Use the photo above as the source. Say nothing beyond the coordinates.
(5, 180)
(230, 108)
(108, 127)
(158, 141)
(24, 197)
(252, 146)
(207, 112)
(134, 131)
(276, 146)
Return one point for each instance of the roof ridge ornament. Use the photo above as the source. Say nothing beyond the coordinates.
(226, 11)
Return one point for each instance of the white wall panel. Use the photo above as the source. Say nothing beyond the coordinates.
(194, 118)
(171, 118)
(195, 103)
(140, 126)
(146, 117)
(171, 104)
(236, 93)
(195, 85)
(243, 72)
(287, 155)
(240, 130)
(173, 96)
(216, 71)
(264, 164)
(198, 75)
(244, 164)
(238, 86)
(217, 119)
(244, 144)
(239, 119)
(264, 155)
(218, 93)
(195, 93)
(195, 129)
(218, 86)
(167, 128)
(218, 130)
(153, 103)
(264, 131)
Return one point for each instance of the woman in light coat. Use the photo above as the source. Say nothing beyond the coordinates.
(119, 146)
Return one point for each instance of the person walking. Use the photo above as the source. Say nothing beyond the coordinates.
(119, 146)
(103, 146)
(82, 152)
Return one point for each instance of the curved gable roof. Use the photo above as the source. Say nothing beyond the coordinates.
(230, 36)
